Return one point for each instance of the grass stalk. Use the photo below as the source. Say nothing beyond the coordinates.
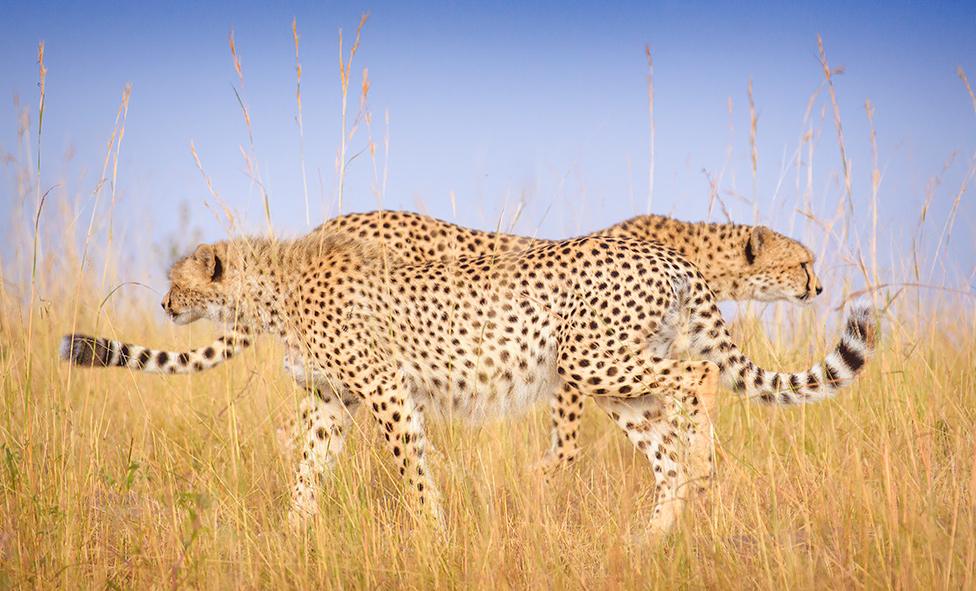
(301, 126)
(345, 67)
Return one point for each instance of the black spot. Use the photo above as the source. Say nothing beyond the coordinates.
(857, 329)
(184, 358)
(794, 382)
(162, 358)
(88, 351)
(832, 377)
(123, 356)
(209, 353)
(852, 358)
(143, 358)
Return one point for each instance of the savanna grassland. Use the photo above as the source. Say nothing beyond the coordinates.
(113, 479)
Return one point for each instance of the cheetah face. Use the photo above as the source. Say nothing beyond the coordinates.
(196, 287)
(779, 268)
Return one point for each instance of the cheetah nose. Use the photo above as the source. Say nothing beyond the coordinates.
(165, 303)
(819, 289)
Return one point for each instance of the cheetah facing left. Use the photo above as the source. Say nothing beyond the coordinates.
(484, 336)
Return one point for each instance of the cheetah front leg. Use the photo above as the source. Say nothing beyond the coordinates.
(402, 422)
(291, 434)
(317, 387)
(326, 420)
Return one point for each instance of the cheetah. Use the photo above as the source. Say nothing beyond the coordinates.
(486, 336)
(738, 262)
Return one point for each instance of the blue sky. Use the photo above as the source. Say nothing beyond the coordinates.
(496, 103)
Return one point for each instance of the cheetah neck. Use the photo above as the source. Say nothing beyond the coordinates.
(269, 272)
(273, 272)
(716, 249)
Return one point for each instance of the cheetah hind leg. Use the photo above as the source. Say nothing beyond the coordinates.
(671, 437)
(566, 405)
(603, 373)
(675, 434)
(291, 434)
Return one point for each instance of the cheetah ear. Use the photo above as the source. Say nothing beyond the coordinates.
(757, 240)
(208, 259)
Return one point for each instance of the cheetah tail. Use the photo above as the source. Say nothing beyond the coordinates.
(821, 381)
(90, 351)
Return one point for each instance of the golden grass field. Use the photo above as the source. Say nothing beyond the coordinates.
(121, 480)
(112, 479)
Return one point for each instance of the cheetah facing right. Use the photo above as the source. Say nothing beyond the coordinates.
(485, 335)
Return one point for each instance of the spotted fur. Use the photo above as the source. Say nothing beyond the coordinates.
(737, 261)
(482, 336)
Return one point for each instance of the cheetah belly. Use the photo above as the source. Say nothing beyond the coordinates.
(483, 390)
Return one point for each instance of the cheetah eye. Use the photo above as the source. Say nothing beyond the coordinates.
(218, 269)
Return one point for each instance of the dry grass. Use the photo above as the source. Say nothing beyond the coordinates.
(112, 479)
(118, 479)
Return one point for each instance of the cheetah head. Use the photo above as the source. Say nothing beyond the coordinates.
(199, 286)
(778, 268)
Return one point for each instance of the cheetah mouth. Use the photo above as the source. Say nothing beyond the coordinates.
(805, 299)
(183, 317)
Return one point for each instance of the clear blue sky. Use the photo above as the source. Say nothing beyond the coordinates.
(498, 102)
